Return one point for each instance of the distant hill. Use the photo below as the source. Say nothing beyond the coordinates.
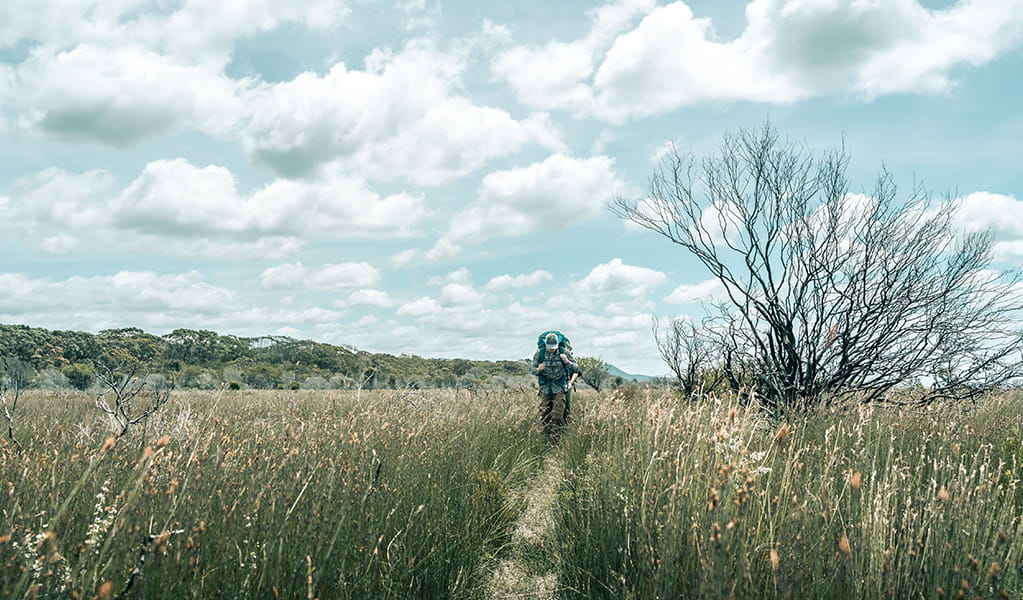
(205, 359)
(616, 372)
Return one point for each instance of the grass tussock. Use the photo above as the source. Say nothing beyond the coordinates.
(259, 494)
(668, 499)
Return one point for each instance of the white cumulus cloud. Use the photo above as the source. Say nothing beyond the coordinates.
(120, 71)
(616, 277)
(789, 50)
(61, 243)
(1000, 213)
(507, 282)
(460, 294)
(704, 291)
(283, 276)
(201, 211)
(120, 95)
(420, 308)
(194, 29)
(57, 198)
(370, 297)
(267, 248)
(340, 276)
(343, 276)
(174, 196)
(134, 292)
(562, 83)
(401, 117)
(548, 195)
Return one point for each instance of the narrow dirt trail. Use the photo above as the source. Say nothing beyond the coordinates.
(530, 571)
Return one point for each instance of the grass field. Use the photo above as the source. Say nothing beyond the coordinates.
(668, 501)
(390, 494)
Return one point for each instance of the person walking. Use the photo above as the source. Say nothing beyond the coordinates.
(553, 365)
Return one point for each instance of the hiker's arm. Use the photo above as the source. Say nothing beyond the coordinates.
(537, 364)
(570, 362)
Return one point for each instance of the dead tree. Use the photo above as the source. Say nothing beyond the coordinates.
(14, 378)
(830, 293)
(690, 353)
(127, 396)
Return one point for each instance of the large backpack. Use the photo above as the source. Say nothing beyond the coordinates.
(563, 343)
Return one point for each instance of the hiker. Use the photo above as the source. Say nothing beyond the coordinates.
(553, 365)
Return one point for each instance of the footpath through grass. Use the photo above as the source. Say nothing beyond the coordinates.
(528, 568)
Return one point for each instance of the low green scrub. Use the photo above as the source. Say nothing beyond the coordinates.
(264, 494)
(668, 499)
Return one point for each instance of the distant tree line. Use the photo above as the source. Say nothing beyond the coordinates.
(202, 359)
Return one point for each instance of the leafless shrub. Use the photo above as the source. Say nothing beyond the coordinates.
(15, 376)
(830, 294)
(127, 395)
(691, 353)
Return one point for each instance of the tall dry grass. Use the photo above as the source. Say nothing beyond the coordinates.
(415, 495)
(668, 499)
(264, 494)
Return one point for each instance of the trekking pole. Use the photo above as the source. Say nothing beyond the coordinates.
(571, 380)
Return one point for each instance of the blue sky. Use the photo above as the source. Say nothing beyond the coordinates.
(433, 178)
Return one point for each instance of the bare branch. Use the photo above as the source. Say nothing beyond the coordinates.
(830, 293)
(123, 385)
(15, 375)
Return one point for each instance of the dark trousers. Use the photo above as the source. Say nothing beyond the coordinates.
(553, 414)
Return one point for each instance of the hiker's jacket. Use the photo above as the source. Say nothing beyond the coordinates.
(554, 377)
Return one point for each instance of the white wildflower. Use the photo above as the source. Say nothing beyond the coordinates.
(102, 519)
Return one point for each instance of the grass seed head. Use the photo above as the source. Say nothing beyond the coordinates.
(843, 546)
(995, 570)
(713, 502)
